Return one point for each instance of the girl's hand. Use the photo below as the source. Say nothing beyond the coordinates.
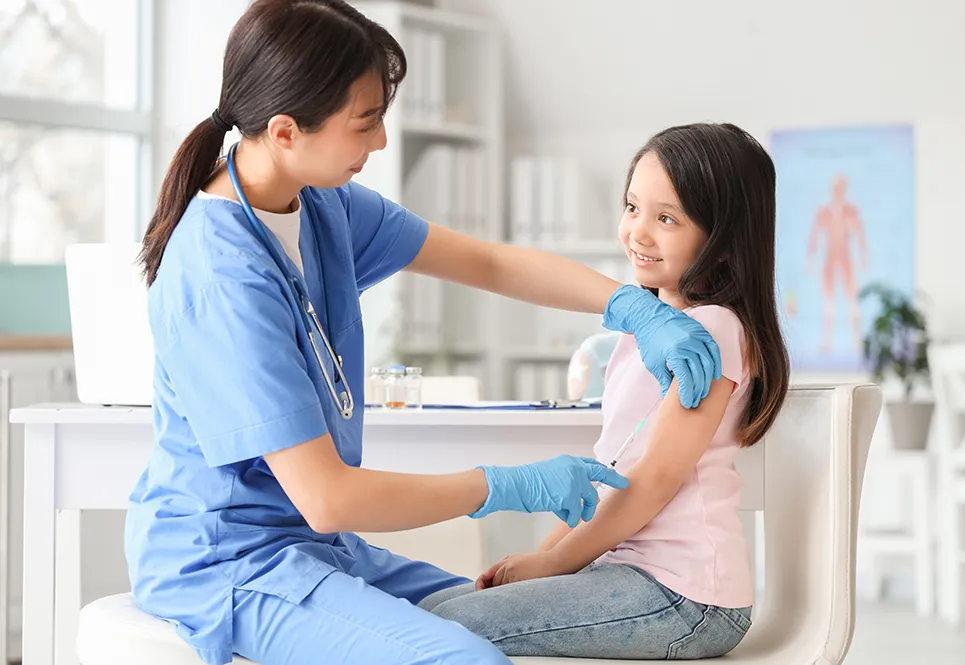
(519, 567)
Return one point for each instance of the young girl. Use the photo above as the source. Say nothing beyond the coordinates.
(662, 572)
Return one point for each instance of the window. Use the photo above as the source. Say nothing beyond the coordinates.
(75, 124)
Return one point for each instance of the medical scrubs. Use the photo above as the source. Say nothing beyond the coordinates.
(213, 543)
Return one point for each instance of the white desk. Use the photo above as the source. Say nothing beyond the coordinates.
(83, 457)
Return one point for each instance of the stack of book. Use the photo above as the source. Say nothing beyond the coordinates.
(422, 95)
(447, 186)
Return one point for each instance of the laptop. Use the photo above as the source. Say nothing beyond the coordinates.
(113, 349)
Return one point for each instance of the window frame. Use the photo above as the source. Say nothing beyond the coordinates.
(139, 122)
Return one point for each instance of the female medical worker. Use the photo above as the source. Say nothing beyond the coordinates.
(239, 532)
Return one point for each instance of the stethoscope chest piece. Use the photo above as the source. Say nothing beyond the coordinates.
(343, 400)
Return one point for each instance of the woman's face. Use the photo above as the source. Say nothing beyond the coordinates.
(331, 155)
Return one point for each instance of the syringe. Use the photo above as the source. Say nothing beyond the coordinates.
(629, 439)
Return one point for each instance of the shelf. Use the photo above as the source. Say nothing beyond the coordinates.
(539, 354)
(455, 131)
(464, 86)
(610, 248)
(462, 351)
(430, 17)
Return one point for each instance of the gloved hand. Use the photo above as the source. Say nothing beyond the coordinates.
(563, 485)
(666, 338)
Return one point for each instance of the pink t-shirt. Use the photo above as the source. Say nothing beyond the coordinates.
(695, 545)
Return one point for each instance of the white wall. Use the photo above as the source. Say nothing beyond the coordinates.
(191, 39)
(595, 79)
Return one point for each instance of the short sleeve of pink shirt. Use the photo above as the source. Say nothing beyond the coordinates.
(695, 545)
(726, 329)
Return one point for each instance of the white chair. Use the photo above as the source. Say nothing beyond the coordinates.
(947, 365)
(814, 466)
(910, 472)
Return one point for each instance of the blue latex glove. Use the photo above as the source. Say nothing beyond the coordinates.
(562, 485)
(667, 338)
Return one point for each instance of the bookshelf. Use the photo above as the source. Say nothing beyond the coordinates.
(444, 160)
(581, 250)
(452, 131)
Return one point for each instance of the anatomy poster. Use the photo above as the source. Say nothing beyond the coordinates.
(845, 218)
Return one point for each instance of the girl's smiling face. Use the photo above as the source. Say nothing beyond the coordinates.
(660, 240)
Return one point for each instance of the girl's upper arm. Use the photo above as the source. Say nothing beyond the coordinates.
(681, 436)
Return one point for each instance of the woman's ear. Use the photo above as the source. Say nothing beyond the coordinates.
(282, 130)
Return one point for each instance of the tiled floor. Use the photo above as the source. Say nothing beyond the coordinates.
(890, 634)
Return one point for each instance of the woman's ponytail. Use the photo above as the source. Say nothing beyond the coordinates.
(192, 167)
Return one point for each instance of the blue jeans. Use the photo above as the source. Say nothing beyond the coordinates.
(603, 611)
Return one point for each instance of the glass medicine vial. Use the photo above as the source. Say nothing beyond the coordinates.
(395, 388)
(377, 386)
(413, 383)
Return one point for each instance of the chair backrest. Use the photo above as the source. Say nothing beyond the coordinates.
(814, 466)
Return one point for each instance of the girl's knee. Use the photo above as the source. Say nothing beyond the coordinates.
(465, 612)
(430, 602)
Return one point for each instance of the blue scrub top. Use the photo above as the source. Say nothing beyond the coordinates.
(235, 378)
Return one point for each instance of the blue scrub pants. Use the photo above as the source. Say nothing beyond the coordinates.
(366, 615)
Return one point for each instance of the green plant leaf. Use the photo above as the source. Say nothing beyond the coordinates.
(898, 341)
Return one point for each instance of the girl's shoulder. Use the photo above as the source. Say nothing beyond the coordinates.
(717, 317)
(727, 330)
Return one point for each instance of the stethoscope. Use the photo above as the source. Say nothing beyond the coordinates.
(344, 401)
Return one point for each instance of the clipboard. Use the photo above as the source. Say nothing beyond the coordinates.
(546, 404)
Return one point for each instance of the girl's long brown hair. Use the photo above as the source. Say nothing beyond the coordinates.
(726, 183)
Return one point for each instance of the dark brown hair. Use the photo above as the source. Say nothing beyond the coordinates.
(292, 57)
(726, 182)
